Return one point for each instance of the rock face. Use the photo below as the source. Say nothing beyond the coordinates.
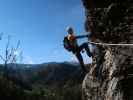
(111, 73)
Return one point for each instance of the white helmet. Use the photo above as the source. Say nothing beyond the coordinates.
(69, 29)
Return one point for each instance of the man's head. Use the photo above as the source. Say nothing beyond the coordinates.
(69, 30)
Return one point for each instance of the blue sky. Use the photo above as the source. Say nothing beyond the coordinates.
(40, 26)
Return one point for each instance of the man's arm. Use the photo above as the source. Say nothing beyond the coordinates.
(81, 36)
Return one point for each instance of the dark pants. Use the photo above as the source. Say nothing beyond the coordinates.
(79, 56)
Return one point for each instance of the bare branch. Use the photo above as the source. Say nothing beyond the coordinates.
(18, 44)
(2, 58)
(21, 56)
(11, 53)
(1, 35)
(7, 51)
(13, 59)
(8, 42)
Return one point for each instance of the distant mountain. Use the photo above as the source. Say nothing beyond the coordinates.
(53, 74)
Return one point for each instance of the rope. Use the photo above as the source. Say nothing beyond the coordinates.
(109, 44)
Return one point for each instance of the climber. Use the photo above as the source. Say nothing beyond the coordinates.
(71, 45)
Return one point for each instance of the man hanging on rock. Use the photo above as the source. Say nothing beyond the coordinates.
(71, 45)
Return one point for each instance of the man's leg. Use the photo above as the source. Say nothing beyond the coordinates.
(85, 46)
(80, 59)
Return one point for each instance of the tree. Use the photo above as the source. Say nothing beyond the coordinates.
(10, 54)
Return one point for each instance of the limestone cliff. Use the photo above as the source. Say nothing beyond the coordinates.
(111, 74)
